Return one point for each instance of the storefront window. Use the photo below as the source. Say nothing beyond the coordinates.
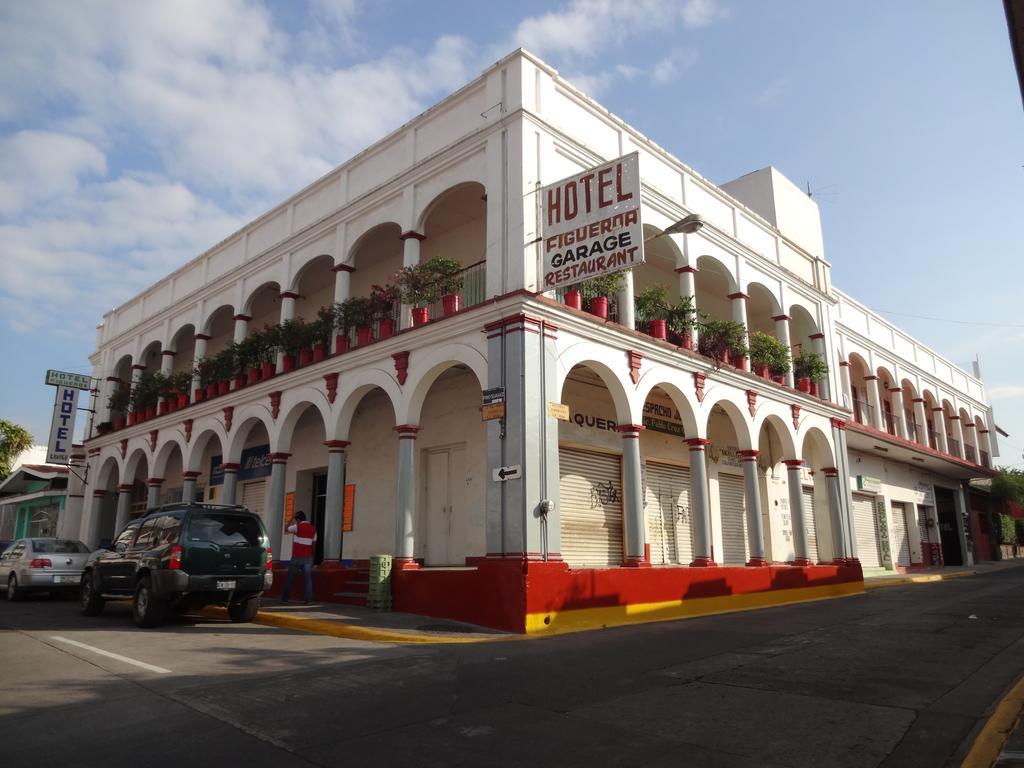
(44, 521)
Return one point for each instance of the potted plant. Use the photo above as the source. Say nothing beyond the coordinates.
(652, 307)
(809, 368)
(239, 365)
(265, 351)
(600, 289)
(342, 342)
(321, 330)
(165, 396)
(382, 308)
(768, 356)
(206, 372)
(224, 369)
(573, 297)
(143, 398)
(417, 288)
(292, 337)
(722, 340)
(118, 403)
(447, 277)
(681, 320)
(356, 314)
(179, 384)
(104, 427)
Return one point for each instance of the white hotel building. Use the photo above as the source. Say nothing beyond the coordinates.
(675, 488)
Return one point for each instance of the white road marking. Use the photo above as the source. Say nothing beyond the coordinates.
(108, 654)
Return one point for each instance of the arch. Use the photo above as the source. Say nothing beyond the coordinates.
(672, 383)
(303, 272)
(294, 405)
(245, 420)
(661, 258)
(385, 232)
(815, 442)
(166, 451)
(123, 369)
(426, 370)
(802, 326)
(757, 289)
(183, 337)
(376, 256)
(353, 389)
(908, 390)
(204, 433)
(138, 458)
(783, 431)
(260, 295)
(589, 355)
(735, 417)
(714, 282)
(215, 317)
(109, 473)
(462, 206)
(466, 177)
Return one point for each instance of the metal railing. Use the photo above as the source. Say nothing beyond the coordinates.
(863, 412)
(953, 445)
(985, 460)
(587, 294)
(889, 422)
(933, 438)
(969, 454)
(472, 292)
(912, 429)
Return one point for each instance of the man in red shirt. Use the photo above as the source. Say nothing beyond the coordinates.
(302, 554)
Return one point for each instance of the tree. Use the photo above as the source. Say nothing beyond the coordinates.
(1008, 485)
(14, 439)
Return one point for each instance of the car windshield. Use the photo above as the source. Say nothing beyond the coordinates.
(225, 529)
(59, 547)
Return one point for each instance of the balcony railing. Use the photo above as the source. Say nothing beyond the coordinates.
(954, 446)
(863, 412)
(889, 422)
(587, 294)
(912, 429)
(473, 291)
(985, 460)
(969, 454)
(933, 439)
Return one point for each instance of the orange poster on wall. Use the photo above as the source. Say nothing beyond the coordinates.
(349, 508)
(289, 509)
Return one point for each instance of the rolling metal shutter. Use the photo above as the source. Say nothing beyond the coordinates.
(810, 525)
(900, 534)
(868, 549)
(733, 513)
(668, 513)
(253, 494)
(591, 500)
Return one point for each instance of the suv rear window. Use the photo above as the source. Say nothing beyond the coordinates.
(225, 529)
(60, 547)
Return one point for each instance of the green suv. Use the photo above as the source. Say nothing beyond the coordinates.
(183, 556)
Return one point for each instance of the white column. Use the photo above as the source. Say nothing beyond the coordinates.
(739, 315)
(922, 421)
(107, 391)
(896, 398)
(153, 486)
(188, 486)
(633, 495)
(92, 517)
(818, 340)
(197, 356)
(700, 504)
(835, 511)
(755, 527)
(844, 380)
(688, 287)
(939, 425)
(984, 444)
(275, 506)
(967, 430)
(166, 366)
(69, 524)
(410, 258)
(797, 512)
(624, 298)
(405, 498)
(335, 501)
(871, 387)
(124, 501)
(782, 334)
(287, 313)
(342, 282)
(229, 493)
(958, 435)
(241, 328)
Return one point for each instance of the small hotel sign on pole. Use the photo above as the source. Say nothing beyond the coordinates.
(65, 408)
(590, 223)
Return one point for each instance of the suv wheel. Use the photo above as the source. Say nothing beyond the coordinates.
(244, 610)
(14, 592)
(89, 598)
(147, 608)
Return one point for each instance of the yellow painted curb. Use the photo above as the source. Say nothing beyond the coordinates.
(924, 578)
(354, 632)
(986, 748)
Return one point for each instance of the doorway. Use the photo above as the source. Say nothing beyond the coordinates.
(319, 507)
(949, 535)
(445, 506)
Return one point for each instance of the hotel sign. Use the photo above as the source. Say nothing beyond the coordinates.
(590, 223)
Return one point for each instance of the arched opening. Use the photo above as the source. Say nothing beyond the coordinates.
(303, 436)
(949, 415)
(455, 226)
(930, 404)
(264, 306)
(204, 464)
(970, 439)
(762, 308)
(315, 286)
(886, 387)
(220, 327)
(183, 344)
(452, 445)
(168, 465)
(590, 468)
(728, 435)
(150, 357)
(915, 429)
(821, 529)
(661, 257)
(103, 516)
(775, 446)
(863, 410)
(376, 257)
(713, 286)
(136, 473)
(249, 448)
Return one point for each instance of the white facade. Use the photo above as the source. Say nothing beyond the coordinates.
(707, 481)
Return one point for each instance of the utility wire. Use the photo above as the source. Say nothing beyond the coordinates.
(947, 320)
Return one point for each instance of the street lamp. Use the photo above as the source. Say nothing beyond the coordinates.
(686, 225)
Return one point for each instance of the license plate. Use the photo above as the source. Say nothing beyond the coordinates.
(225, 584)
(65, 579)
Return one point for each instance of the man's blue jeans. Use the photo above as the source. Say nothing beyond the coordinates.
(306, 564)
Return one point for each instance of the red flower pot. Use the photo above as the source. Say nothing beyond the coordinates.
(762, 371)
(387, 328)
(599, 307)
(778, 378)
(119, 423)
(739, 361)
(240, 381)
(450, 302)
(364, 335)
(342, 343)
(131, 418)
(172, 404)
(658, 329)
(574, 299)
(688, 341)
(267, 370)
(254, 374)
(182, 401)
(319, 352)
(211, 391)
(305, 357)
(288, 363)
(420, 316)
(723, 356)
(200, 395)
(804, 384)
(814, 389)
(223, 386)
(165, 406)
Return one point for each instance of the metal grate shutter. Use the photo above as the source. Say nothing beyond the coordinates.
(733, 512)
(591, 501)
(810, 525)
(668, 513)
(253, 494)
(900, 535)
(868, 550)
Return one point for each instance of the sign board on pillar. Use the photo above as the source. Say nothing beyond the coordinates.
(514, 472)
(349, 507)
(493, 404)
(62, 428)
(289, 508)
(558, 411)
(65, 379)
(590, 223)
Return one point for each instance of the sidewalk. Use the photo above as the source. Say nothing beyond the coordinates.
(939, 573)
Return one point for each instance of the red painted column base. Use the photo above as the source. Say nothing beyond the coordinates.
(404, 564)
(757, 562)
(800, 561)
(636, 562)
(703, 562)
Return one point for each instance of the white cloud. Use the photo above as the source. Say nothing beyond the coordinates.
(667, 69)
(1006, 392)
(40, 165)
(772, 91)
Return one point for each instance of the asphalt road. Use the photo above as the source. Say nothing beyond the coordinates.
(902, 676)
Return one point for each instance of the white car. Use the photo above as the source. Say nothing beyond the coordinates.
(53, 565)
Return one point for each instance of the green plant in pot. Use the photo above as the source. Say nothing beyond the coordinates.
(178, 385)
(722, 340)
(418, 288)
(321, 331)
(118, 404)
(809, 368)
(681, 320)
(768, 355)
(356, 313)
(653, 309)
(206, 372)
(599, 289)
(383, 299)
(226, 368)
(447, 276)
(292, 336)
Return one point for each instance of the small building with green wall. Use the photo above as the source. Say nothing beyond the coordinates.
(32, 500)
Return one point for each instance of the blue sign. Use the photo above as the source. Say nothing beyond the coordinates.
(255, 463)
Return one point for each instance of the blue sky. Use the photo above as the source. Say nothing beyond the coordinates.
(134, 136)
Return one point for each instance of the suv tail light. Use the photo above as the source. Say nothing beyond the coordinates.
(270, 559)
(40, 562)
(174, 563)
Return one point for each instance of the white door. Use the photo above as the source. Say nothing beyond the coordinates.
(868, 550)
(669, 518)
(445, 506)
(733, 513)
(253, 494)
(900, 535)
(809, 524)
(591, 515)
